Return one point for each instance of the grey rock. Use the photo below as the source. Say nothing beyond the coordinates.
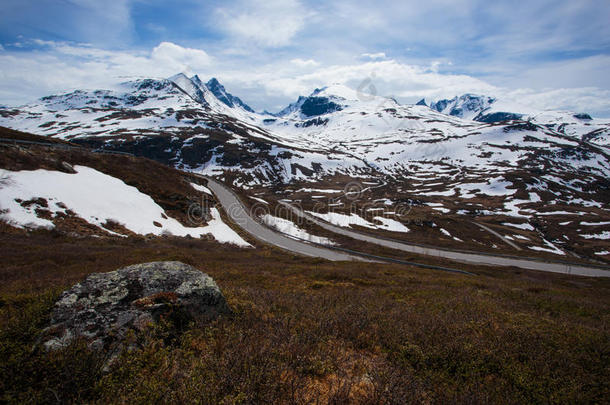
(105, 307)
(67, 167)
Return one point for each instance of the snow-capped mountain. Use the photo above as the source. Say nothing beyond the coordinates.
(178, 121)
(520, 168)
(187, 123)
(487, 109)
(413, 141)
(321, 101)
(213, 95)
(467, 106)
(227, 98)
(200, 126)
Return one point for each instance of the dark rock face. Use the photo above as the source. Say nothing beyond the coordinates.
(105, 307)
(583, 116)
(498, 117)
(315, 106)
(227, 98)
(314, 122)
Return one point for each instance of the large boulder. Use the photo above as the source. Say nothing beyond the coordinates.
(105, 307)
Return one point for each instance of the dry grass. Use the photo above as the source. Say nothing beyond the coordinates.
(303, 330)
(307, 331)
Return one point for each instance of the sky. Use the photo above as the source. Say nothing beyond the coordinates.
(547, 54)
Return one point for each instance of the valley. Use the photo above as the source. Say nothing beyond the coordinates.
(439, 174)
(366, 255)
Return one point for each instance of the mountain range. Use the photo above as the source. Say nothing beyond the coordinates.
(200, 126)
(469, 157)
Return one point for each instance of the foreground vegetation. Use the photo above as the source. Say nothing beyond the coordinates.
(310, 331)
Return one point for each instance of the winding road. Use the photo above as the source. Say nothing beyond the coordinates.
(463, 257)
(240, 216)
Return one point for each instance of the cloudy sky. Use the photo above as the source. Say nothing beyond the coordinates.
(550, 54)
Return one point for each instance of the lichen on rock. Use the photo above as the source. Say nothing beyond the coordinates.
(105, 307)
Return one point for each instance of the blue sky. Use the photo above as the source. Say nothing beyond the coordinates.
(548, 54)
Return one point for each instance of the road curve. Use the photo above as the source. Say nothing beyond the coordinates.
(474, 258)
(238, 214)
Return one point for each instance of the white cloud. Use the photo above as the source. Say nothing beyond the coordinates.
(59, 67)
(586, 99)
(270, 23)
(374, 56)
(1, 48)
(179, 58)
(275, 85)
(582, 72)
(390, 78)
(56, 67)
(304, 63)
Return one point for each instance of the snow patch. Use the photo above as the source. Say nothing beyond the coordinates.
(605, 235)
(260, 200)
(288, 227)
(391, 225)
(550, 249)
(97, 198)
(526, 227)
(343, 220)
(203, 189)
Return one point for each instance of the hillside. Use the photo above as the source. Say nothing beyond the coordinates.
(578, 125)
(72, 190)
(303, 329)
(541, 185)
(311, 330)
(304, 202)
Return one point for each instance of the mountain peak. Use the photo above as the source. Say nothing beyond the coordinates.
(336, 90)
(195, 79)
(178, 77)
(213, 82)
(321, 101)
(197, 90)
(190, 86)
(467, 106)
(225, 97)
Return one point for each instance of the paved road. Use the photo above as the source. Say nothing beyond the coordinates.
(238, 214)
(475, 258)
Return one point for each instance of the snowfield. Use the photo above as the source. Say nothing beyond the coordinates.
(97, 198)
(550, 249)
(289, 228)
(390, 224)
(343, 220)
(605, 235)
(203, 189)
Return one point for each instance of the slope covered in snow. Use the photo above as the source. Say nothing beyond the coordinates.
(467, 106)
(34, 198)
(289, 228)
(539, 167)
(486, 109)
(335, 130)
(180, 122)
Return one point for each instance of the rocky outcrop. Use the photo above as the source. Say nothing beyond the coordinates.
(105, 307)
